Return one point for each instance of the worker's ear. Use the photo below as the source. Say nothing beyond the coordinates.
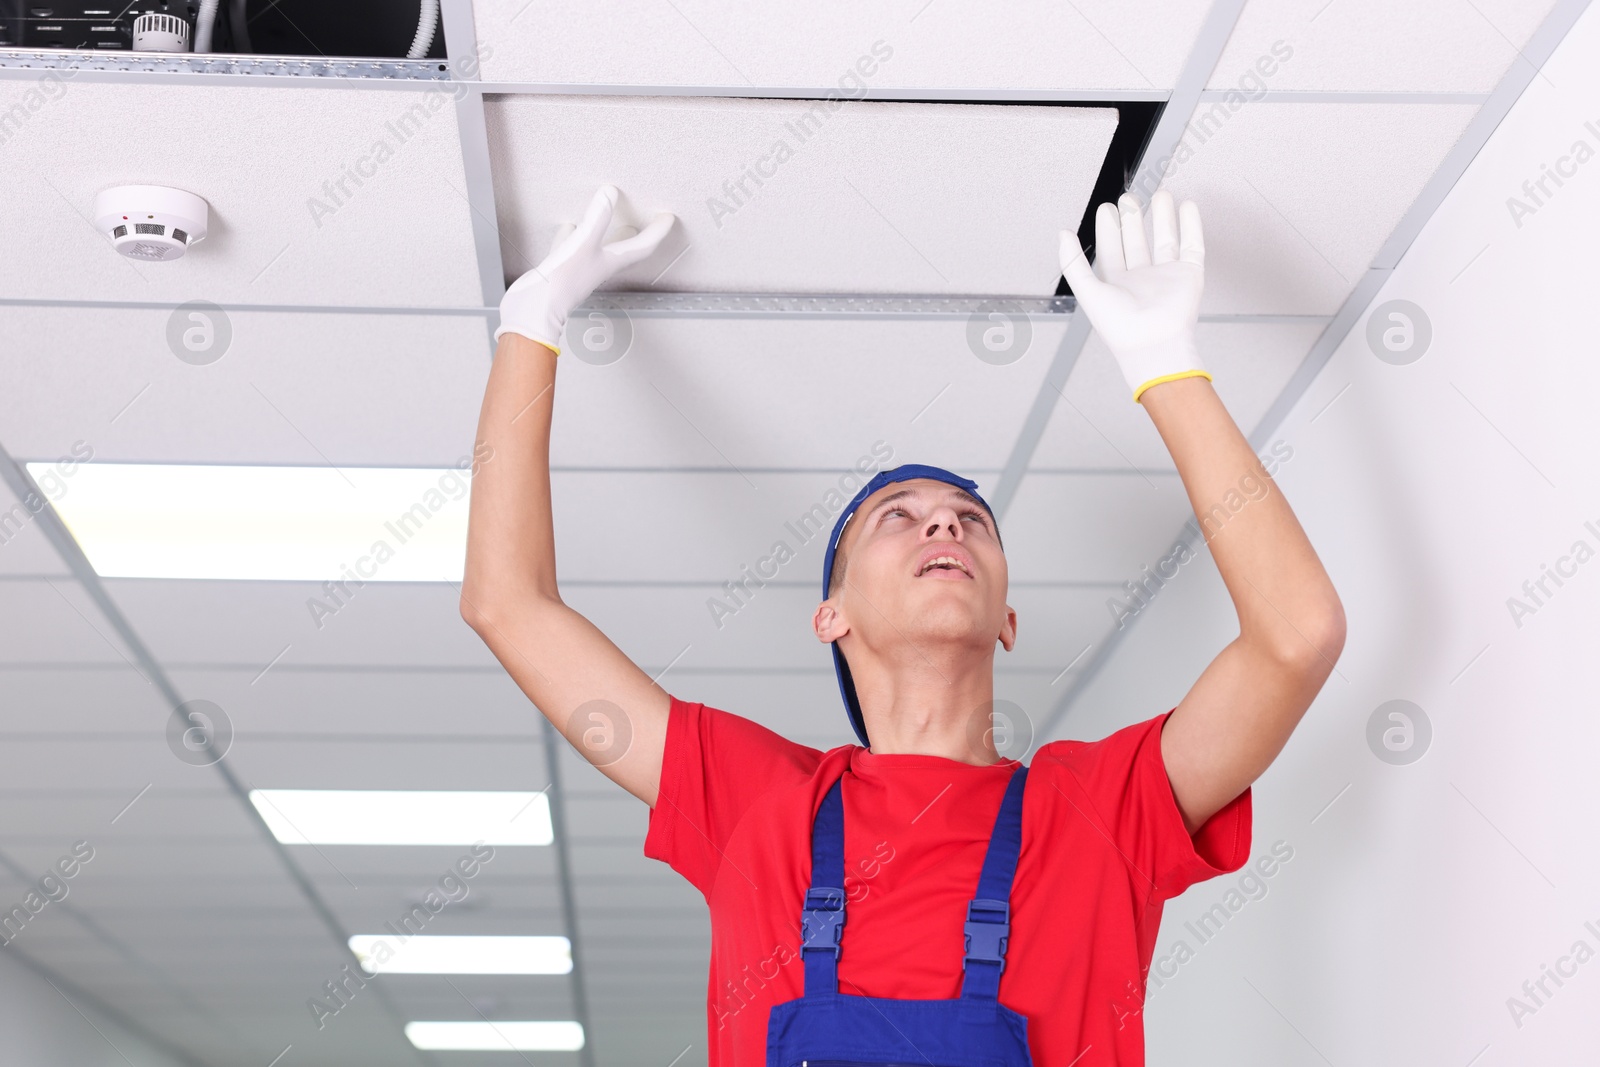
(829, 622)
(1008, 632)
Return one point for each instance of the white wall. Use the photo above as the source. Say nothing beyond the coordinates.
(40, 1027)
(1421, 900)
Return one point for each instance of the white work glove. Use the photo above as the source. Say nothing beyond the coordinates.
(1146, 309)
(538, 303)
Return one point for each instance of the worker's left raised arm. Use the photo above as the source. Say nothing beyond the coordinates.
(1143, 298)
(1237, 717)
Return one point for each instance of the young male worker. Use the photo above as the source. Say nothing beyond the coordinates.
(936, 949)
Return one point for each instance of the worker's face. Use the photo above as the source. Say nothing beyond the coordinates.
(896, 590)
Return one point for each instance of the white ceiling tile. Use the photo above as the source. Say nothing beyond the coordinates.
(204, 949)
(531, 903)
(24, 549)
(537, 911)
(699, 527)
(530, 997)
(625, 858)
(798, 393)
(235, 991)
(294, 922)
(424, 763)
(52, 620)
(1089, 527)
(837, 211)
(653, 626)
(1053, 625)
(1297, 198)
(415, 866)
(92, 698)
(365, 1033)
(218, 892)
(199, 807)
(117, 858)
(372, 904)
(306, 704)
(392, 390)
(262, 158)
(391, 622)
(1098, 424)
(106, 973)
(1093, 44)
(126, 764)
(617, 893)
(1376, 45)
(617, 814)
(58, 941)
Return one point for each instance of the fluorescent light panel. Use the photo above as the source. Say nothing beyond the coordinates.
(462, 955)
(156, 520)
(393, 817)
(504, 1036)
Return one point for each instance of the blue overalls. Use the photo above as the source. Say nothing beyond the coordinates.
(826, 1028)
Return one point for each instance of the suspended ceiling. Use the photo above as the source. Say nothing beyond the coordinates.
(360, 337)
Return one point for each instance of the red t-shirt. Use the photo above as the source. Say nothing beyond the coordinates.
(1103, 846)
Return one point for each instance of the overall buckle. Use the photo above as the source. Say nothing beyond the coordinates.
(988, 927)
(822, 921)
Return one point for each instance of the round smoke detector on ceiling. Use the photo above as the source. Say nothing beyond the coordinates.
(150, 222)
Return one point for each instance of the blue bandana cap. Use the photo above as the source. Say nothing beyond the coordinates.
(903, 473)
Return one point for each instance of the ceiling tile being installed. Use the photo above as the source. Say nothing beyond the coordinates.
(317, 196)
(782, 196)
(735, 393)
(1377, 45)
(1092, 44)
(1098, 425)
(1298, 198)
(390, 390)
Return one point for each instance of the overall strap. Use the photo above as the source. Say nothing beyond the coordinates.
(822, 921)
(988, 926)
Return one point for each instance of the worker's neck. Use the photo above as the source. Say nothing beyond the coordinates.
(933, 702)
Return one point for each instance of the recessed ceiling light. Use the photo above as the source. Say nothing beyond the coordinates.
(355, 524)
(393, 817)
(525, 1036)
(388, 954)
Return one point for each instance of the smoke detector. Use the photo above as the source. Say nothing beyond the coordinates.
(150, 222)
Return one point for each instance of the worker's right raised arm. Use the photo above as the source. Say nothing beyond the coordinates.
(607, 707)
